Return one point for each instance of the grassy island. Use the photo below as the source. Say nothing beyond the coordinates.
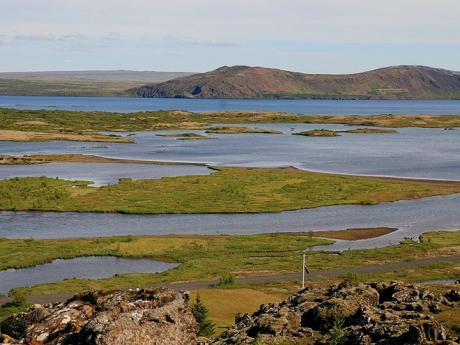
(186, 136)
(14, 135)
(240, 130)
(333, 133)
(27, 125)
(79, 158)
(371, 131)
(319, 133)
(227, 190)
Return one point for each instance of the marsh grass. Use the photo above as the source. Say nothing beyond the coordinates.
(211, 257)
(227, 190)
(66, 121)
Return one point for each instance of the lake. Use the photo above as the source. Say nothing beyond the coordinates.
(100, 174)
(92, 267)
(126, 104)
(414, 152)
(411, 217)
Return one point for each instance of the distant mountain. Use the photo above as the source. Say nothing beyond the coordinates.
(80, 83)
(397, 82)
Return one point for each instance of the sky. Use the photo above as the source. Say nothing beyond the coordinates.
(311, 36)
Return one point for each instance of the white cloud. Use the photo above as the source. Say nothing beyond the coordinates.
(207, 33)
(405, 21)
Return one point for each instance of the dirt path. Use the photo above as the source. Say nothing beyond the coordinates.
(195, 285)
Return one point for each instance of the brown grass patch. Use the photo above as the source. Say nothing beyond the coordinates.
(350, 234)
(11, 135)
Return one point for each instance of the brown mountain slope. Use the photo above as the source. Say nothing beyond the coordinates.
(399, 82)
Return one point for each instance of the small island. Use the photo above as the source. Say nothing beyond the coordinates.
(371, 131)
(319, 133)
(16, 135)
(331, 133)
(240, 130)
(186, 136)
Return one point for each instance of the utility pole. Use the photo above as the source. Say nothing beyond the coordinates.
(303, 271)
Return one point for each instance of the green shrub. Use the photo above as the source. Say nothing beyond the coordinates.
(338, 332)
(200, 312)
(227, 280)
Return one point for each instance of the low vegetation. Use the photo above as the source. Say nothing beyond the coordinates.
(65, 87)
(224, 304)
(205, 257)
(13, 135)
(186, 136)
(370, 131)
(319, 133)
(335, 133)
(240, 130)
(67, 121)
(227, 190)
(352, 234)
(78, 158)
(211, 257)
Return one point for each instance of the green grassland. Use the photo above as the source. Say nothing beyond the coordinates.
(319, 133)
(210, 257)
(74, 121)
(227, 190)
(240, 130)
(65, 87)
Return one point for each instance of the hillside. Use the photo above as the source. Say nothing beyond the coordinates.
(398, 82)
(80, 83)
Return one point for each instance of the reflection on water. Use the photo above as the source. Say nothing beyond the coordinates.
(101, 174)
(92, 267)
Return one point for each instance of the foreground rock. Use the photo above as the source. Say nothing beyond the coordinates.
(123, 318)
(352, 314)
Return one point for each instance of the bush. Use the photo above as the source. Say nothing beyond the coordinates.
(338, 332)
(226, 281)
(200, 312)
(18, 298)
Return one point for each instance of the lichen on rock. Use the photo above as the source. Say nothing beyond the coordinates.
(128, 317)
(349, 314)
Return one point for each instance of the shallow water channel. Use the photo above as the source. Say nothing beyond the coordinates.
(91, 267)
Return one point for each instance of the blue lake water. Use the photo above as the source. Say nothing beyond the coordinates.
(92, 267)
(414, 152)
(411, 217)
(125, 104)
(100, 174)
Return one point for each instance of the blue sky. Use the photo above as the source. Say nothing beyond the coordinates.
(313, 36)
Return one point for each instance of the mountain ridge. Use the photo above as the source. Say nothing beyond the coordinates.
(393, 82)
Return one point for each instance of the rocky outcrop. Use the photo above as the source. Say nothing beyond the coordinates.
(349, 314)
(346, 314)
(106, 318)
(398, 82)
